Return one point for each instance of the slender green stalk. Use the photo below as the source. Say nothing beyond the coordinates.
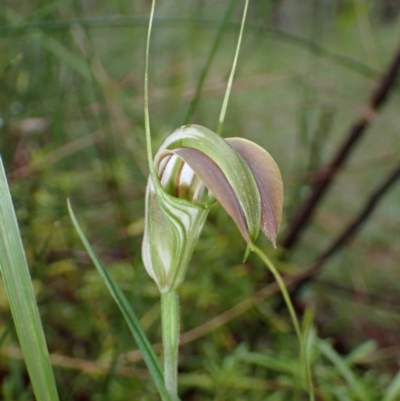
(146, 92)
(170, 337)
(286, 297)
(169, 301)
(229, 86)
(196, 98)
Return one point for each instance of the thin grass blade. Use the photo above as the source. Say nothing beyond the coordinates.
(360, 353)
(393, 390)
(341, 366)
(19, 290)
(144, 345)
(203, 75)
(276, 363)
(70, 59)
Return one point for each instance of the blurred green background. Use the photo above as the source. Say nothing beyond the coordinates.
(71, 125)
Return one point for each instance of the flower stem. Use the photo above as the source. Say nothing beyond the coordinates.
(170, 338)
(229, 86)
(146, 92)
(303, 351)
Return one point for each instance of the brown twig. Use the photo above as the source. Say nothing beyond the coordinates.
(122, 368)
(67, 362)
(357, 295)
(329, 172)
(350, 231)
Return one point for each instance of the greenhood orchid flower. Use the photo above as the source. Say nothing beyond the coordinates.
(193, 168)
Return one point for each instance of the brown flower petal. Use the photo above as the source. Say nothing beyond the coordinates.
(269, 181)
(213, 178)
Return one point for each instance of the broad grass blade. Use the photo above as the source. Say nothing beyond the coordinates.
(149, 355)
(19, 290)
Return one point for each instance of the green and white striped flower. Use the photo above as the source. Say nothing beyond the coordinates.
(193, 167)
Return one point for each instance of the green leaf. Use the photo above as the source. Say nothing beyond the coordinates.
(132, 321)
(19, 290)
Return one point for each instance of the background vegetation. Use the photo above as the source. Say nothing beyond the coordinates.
(71, 125)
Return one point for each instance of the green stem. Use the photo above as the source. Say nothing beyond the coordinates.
(300, 336)
(146, 93)
(196, 98)
(229, 86)
(170, 337)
